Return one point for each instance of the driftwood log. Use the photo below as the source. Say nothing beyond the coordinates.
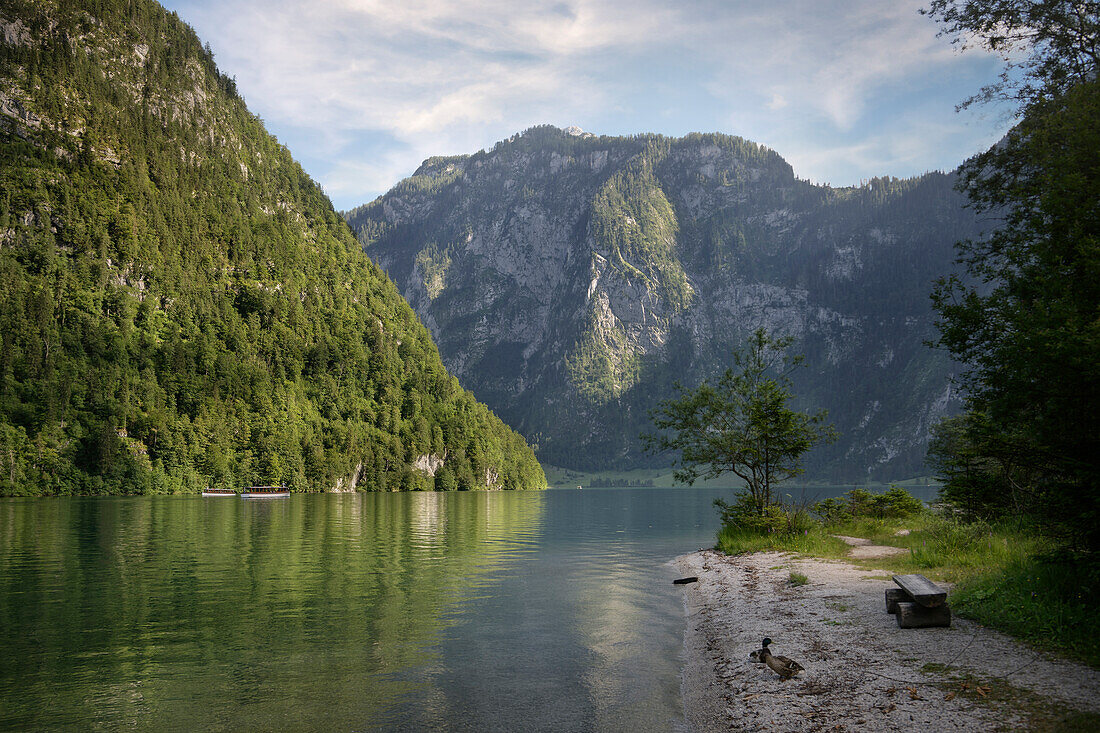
(682, 581)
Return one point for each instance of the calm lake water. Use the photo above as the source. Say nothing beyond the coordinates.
(550, 610)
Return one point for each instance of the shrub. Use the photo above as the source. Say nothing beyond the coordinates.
(861, 503)
(895, 502)
(743, 514)
(833, 510)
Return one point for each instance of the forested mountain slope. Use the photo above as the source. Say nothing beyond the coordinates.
(180, 306)
(571, 279)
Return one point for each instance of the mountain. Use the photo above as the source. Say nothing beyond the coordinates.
(181, 306)
(570, 280)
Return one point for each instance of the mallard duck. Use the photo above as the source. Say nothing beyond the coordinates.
(782, 666)
(758, 655)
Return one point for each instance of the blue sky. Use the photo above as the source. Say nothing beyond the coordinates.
(361, 91)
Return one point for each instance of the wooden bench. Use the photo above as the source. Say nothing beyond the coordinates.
(917, 602)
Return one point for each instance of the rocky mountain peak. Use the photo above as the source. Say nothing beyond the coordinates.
(570, 280)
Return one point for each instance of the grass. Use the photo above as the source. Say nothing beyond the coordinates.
(947, 549)
(815, 541)
(1007, 576)
(1046, 599)
(797, 579)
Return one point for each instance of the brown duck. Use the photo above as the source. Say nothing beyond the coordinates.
(782, 666)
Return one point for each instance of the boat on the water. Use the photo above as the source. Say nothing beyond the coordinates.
(265, 492)
(219, 492)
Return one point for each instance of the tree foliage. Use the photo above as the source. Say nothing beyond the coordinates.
(741, 424)
(1027, 324)
(1048, 45)
(180, 305)
(861, 503)
(985, 476)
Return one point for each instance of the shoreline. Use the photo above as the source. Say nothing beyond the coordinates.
(861, 671)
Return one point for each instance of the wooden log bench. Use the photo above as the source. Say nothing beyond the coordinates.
(917, 602)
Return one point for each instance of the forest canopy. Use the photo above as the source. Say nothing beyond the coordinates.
(180, 305)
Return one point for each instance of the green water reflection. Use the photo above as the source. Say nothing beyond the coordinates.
(309, 613)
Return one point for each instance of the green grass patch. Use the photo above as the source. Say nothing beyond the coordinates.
(1007, 575)
(797, 579)
(948, 549)
(816, 541)
(1046, 599)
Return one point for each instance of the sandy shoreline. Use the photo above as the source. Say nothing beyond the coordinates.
(862, 671)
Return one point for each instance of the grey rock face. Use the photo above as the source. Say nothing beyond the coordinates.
(570, 280)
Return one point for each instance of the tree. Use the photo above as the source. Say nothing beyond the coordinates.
(1048, 46)
(1025, 322)
(741, 424)
(983, 477)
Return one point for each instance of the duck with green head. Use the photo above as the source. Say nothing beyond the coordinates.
(782, 666)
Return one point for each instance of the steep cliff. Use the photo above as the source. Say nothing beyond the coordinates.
(570, 280)
(180, 304)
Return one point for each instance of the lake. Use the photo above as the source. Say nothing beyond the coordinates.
(509, 611)
(549, 610)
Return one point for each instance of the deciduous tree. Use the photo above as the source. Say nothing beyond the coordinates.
(742, 424)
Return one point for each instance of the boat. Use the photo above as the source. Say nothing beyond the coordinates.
(219, 492)
(265, 492)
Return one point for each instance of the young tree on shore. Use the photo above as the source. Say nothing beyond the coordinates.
(741, 424)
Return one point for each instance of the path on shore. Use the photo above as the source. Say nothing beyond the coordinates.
(863, 549)
(861, 671)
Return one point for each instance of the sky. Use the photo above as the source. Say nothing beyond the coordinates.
(362, 91)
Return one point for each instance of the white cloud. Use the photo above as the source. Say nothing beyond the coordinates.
(447, 76)
(406, 68)
(831, 57)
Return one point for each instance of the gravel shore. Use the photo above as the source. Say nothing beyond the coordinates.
(862, 673)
